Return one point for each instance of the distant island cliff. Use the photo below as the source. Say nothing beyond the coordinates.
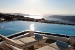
(64, 17)
(18, 16)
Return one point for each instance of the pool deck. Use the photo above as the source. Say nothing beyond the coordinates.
(24, 34)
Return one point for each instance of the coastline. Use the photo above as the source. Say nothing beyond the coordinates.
(10, 17)
(44, 21)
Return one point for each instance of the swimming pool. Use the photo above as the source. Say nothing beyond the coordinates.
(17, 26)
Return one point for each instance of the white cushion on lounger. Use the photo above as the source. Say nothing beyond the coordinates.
(46, 48)
(27, 39)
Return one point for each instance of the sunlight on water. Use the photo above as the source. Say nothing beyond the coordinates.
(32, 27)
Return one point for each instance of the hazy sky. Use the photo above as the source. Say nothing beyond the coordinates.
(38, 6)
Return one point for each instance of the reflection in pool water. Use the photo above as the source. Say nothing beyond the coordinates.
(1, 26)
(32, 27)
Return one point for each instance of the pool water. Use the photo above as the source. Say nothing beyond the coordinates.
(17, 26)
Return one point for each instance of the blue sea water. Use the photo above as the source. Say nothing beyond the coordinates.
(17, 26)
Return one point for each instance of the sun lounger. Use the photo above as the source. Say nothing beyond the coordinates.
(32, 40)
(40, 41)
(29, 41)
(5, 46)
(15, 43)
(57, 38)
(58, 47)
(46, 48)
(54, 46)
(21, 43)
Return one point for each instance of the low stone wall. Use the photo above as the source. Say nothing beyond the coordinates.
(24, 32)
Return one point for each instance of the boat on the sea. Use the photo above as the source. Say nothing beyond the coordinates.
(34, 40)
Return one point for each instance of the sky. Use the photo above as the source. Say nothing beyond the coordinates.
(38, 6)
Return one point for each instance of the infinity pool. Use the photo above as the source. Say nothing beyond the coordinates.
(13, 27)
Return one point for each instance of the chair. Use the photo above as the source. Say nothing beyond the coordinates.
(41, 38)
(29, 41)
(32, 40)
(15, 43)
(5, 46)
(53, 46)
(46, 48)
(57, 38)
(21, 43)
(58, 47)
